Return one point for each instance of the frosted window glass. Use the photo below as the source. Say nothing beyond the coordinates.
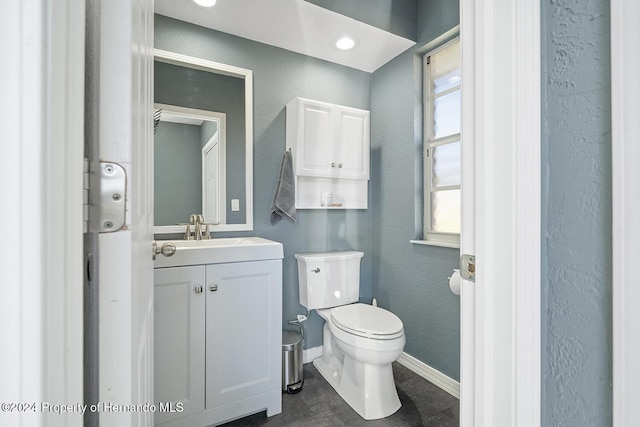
(445, 165)
(445, 208)
(446, 115)
(446, 81)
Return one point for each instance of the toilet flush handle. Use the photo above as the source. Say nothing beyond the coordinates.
(316, 270)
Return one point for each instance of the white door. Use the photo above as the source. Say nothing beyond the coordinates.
(214, 184)
(625, 67)
(125, 263)
(500, 312)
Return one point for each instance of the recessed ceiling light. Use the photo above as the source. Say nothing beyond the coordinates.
(205, 3)
(346, 43)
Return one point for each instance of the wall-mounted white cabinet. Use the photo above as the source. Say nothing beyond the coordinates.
(330, 145)
(217, 341)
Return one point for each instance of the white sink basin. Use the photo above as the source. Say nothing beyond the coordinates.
(217, 251)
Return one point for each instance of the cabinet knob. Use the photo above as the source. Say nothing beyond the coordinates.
(316, 270)
(340, 165)
(213, 287)
(198, 289)
(333, 164)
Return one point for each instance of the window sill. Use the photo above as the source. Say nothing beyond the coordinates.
(434, 243)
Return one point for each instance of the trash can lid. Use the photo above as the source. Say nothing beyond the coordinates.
(291, 340)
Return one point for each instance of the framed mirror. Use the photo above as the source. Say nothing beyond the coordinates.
(203, 144)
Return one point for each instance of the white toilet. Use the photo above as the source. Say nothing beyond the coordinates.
(360, 341)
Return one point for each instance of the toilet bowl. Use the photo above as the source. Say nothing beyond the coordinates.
(359, 341)
(359, 344)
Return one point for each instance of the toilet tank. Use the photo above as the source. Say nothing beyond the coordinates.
(329, 279)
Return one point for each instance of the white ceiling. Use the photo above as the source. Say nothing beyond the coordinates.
(294, 25)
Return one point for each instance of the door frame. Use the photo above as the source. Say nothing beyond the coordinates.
(501, 218)
(625, 134)
(42, 116)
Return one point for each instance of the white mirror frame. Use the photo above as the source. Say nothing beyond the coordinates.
(247, 76)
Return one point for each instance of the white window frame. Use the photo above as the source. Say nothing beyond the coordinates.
(431, 237)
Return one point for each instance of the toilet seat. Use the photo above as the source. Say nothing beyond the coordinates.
(367, 321)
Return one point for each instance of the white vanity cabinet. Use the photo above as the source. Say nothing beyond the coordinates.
(218, 341)
(244, 333)
(179, 346)
(328, 140)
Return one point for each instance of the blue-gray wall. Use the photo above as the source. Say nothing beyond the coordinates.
(576, 240)
(409, 279)
(177, 160)
(279, 76)
(177, 180)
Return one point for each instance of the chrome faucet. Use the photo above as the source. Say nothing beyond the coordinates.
(199, 222)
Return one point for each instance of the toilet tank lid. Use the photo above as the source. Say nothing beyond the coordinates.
(325, 256)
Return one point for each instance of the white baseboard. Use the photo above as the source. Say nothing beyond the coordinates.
(310, 354)
(432, 375)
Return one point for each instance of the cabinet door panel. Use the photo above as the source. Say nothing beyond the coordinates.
(179, 340)
(243, 330)
(353, 143)
(316, 155)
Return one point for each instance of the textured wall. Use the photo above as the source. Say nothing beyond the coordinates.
(279, 76)
(577, 214)
(410, 280)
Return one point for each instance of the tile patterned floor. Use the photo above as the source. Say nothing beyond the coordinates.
(318, 405)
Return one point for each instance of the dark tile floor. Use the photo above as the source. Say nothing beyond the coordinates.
(317, 405)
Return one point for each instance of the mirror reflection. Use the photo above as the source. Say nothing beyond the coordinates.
(202, 144)
(189, 155)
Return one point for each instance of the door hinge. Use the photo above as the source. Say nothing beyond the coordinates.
(105, 207)
(85, 195)
(468, 267)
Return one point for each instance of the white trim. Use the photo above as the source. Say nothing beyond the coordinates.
(41, 116)
(311, 354)
(625, 109)
(468, 219)
(500, 357)
(247, 75)
(435, 243)
(430, 374)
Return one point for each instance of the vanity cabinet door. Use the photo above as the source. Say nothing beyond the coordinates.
(244, 334)
(179, 349)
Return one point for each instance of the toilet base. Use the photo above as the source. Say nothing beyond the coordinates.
(369, 389)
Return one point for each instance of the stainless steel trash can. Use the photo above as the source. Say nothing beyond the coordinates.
(292, 377)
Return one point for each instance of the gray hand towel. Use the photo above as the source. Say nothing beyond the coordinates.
(284, 201)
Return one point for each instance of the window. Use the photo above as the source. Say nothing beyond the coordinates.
(442, 145)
